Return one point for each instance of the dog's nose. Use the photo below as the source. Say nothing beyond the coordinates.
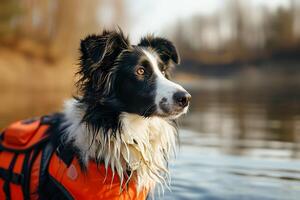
(182, 99)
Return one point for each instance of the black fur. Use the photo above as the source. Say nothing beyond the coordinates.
(108, 84)
(136, 93)
(166, 50)
(98, 55)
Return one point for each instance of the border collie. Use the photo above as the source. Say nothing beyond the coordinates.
(125, 113)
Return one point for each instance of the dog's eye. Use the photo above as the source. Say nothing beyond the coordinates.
(140, 71)
(163, 72)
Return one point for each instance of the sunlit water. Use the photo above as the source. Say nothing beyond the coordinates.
(241, 143)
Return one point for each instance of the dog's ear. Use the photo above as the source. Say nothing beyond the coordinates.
(98, 55)
(165, 48)
(102, 50)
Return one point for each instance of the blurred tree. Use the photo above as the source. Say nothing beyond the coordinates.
(280, 30)
(9, 11)
(240, 31)
(295, 10)
(72, 20)
(55, 27)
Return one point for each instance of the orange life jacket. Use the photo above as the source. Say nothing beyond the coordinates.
(33, 167)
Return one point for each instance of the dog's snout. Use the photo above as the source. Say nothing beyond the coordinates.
(182, 99)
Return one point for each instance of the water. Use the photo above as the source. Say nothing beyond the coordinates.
(239, 143)
(236, 142)
(203, 170)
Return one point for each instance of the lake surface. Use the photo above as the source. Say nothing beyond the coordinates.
(240, 142)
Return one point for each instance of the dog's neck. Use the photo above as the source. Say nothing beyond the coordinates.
(140, 149)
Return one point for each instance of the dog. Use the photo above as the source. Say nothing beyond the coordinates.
(124, 116)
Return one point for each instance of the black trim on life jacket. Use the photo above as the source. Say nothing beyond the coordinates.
(13, 177)
(30, 120)
(61, 192)
(49, 188)
(45, 160)
(35, 153)
(6, 185)
(26, 175)
(1, 137)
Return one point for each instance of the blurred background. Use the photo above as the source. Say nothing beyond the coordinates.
(240, 62)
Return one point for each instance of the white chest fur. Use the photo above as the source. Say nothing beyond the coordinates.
(143, 147)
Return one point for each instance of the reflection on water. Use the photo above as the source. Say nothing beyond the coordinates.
(239, 143)
(247, 121)
(202, 170)
(236, 143)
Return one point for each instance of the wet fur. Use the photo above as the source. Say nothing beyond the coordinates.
(111, 129)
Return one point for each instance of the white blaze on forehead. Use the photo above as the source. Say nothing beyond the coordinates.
(165, 88)
(153, 60)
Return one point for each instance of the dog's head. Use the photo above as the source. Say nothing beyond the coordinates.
(131, 78)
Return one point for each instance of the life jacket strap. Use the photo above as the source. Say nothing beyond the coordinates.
(6, 186)
(11, 177)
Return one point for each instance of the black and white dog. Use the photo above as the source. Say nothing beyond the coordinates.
(124, 116)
